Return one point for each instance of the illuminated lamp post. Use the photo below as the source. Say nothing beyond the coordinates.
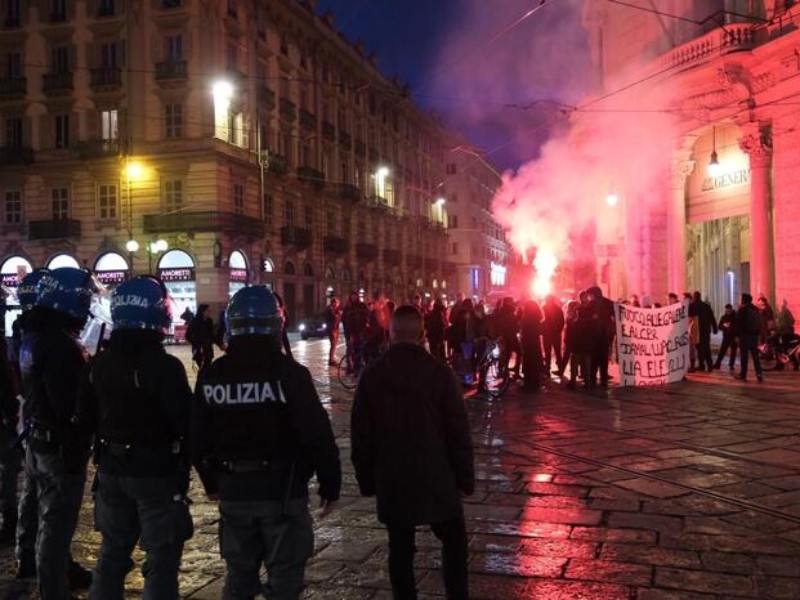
(133, 172)
(153, 248)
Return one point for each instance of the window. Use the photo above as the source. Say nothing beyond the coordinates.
(13, 207)
(59, 204)
(105, 8)
(107, 202)
(452, 221)
(14, 65)
(238, 198)
(173, 120)
(62, 131)
(289, 214)
(59, 10)
(267, 205)
(173, 195)
(346, 226)
(284, 47)
(451, 169)
(455, 248)
(331, 221)
(232, 8)
(13, 132)
(12, 13)
(59, 60)
(233, 54)
(309, 216)
(173, 47)
(108, 55)
(109, 124)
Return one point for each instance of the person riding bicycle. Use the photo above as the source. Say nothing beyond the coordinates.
(785, 335)
(355, 319)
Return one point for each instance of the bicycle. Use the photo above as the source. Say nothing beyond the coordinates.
(493, 375)
(353, 363)
(774, 358)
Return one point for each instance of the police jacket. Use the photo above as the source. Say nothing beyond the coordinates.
(259, 431)
(136, 400)
(411, 442)
(52, 363)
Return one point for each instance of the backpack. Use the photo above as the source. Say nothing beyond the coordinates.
(754, 322)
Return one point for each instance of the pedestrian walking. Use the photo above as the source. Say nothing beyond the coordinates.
(333, 320)
(259, 433)
(200, 334)
(749, 326)
(412, 450)
(52, 363)
(706, 322)
(136, 402)
(727, 325)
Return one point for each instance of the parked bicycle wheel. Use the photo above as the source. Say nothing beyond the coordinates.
(768, 356)
(495, 378)
(347, 377)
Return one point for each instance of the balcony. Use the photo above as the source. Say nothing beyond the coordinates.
(15, 155)
(51, 229)
(328, 131)
(311, 175)
(172, 70)
(307, 119)
(345, 139)
(366, 251)
(266, 97)
(378, 202)
(15, 87)
(350, 192)
(296, 236)
(106, 78)
(57, 83)
(392, 257)
(335, 245)
(274, 163)
(171, 3)
(204, 221)
(414, 261)
(97, 149)
(288, 110)
(734, 37)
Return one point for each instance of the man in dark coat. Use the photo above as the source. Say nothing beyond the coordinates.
(553, 328)
(411, 448)
(602, 313)
(706, 322)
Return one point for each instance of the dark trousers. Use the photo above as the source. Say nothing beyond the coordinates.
(552, 346)
(453, 536)
(10, 466)
(728, 343)
(749, 345)
(599, 363)
(531, 361)
(148, 510)
(704, 352)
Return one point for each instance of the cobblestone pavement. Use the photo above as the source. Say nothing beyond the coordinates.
(689, 492)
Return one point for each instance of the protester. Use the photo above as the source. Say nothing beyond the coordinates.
(355, 318)
(576, 343)
(435, 328)
(727, 325)
(602, 313)
(136, 401)
(553, 329)
(507, 325)
(256, 450)
(531, 343)
(333, 320)
(749, 326)
(706, 322)
(694, 332)
(767, 317)
(412, 449)
(784, 331)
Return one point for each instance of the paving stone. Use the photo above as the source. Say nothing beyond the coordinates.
(561, 548)
(562, 515)
(605, 534)
(631, 520)
(699, 581)
(518, 565)
(654, 594)
(656, 489)
(651, 555)
(609, 571)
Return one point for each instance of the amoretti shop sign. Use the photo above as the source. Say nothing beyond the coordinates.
(726, 180)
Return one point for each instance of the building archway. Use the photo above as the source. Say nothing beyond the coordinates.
(238, 267)
(176, 269)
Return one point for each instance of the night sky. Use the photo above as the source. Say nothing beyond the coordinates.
(474, 65)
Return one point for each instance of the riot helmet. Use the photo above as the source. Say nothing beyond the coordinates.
(67, 290)
(26, 291)
(254, 311)
(142, 303)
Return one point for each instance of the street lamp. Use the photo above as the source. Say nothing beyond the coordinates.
(155, 247)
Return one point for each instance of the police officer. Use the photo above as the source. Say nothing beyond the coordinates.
(52, 363)
(10, 456)
(137, 400)
(259, 433)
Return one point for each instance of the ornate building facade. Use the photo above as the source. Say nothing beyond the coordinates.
(726, 214)
(215, 143)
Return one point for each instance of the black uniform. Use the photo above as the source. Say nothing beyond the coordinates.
(259, 432)
(52, 363)
(137, 400)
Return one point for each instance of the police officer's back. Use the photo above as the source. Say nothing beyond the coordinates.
(259, 433)
(52, 363)
(137, 400)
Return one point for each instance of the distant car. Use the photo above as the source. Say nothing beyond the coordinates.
(313, 327)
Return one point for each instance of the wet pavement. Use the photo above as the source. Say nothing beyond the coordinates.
(688, 492)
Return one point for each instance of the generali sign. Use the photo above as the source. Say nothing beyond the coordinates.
(725, 181)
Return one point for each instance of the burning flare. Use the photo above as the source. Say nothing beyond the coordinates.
(545, 264)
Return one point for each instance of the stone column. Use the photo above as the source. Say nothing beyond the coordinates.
(682, 167)
(757, 143)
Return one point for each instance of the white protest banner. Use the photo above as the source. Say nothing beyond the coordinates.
(652, 344)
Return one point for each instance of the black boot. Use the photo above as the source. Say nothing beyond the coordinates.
(79, 578)
(26, 569)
